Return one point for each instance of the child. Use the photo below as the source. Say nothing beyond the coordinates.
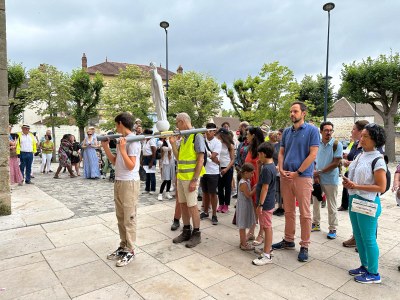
(245, 217)
(126, 188)
(265, 192)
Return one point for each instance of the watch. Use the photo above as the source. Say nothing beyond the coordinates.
(300, 173)
(195, 179)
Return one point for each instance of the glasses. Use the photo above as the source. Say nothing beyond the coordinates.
(328, 130)
(371, 125)
(89, 134)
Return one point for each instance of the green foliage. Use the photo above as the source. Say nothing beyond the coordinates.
(49, 93)
(374, 81)
(243, 97)
(16, 96)
(196, 94)
(228, 113)
(129, 92)
(85, 97)
(276, 91)
(5, 210)
(313, 91)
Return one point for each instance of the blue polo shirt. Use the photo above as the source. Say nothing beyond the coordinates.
(297, 145)
(324, 157)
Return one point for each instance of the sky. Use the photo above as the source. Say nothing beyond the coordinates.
(226, 39)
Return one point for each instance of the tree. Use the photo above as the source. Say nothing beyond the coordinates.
(49, 91)
(196, 94)
(276, 91)
(313, 91)
(16, 97)
(129, 92)
(376, 82)
(228, 113)
(243, 97)
(85, 98)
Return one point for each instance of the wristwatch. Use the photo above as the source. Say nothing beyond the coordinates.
(195, 179)
(300, 173)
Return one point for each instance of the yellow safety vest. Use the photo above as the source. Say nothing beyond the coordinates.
(187, 159)
(18, 144)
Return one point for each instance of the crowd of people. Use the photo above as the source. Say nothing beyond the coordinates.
(277, 171)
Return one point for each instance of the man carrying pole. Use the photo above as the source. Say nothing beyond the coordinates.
(190, 168)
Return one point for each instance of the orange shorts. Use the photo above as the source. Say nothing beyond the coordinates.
(265, 218)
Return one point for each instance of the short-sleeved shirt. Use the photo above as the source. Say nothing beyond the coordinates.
(267, 176)
(360, 172)
(324, 157)
(214, 145)
(147, 146)
(296, 144)
(121, 171)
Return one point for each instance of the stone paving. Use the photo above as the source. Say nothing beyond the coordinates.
(67, 259)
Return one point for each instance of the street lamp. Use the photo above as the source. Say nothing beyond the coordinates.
(327, 7)
(165, 25)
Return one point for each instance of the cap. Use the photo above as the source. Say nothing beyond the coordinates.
(26, 126)
(138, 120)
(223, 130)
(264, 128)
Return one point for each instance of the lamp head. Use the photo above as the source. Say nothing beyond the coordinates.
(328, 6)
(164, 24)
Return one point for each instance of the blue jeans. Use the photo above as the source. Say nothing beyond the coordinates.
(26, 159)
(364, 231)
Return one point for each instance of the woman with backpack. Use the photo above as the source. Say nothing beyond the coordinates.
(365, 183)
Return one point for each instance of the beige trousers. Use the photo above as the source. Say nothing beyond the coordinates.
(331, 191)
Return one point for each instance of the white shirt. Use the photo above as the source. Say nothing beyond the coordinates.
(121, 171)
(214, 145)
(26, 143)
(360, 172)
(165, 151)
(147, 146)
(224, 157)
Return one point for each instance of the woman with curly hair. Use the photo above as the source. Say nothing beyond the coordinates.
(367, 179)
(64, 156)
(255, 138)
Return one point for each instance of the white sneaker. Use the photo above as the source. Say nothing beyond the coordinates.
(151, 193)
(262, 260)
(172, 189)
(125, 259)
(103, 176)
(160, 197)
(168, 195)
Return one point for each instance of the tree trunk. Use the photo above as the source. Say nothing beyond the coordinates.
(390, 129)
(5, 196)
(81, 134)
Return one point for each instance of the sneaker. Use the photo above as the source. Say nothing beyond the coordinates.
(204, 215)
(183, 237)
(261, 251)
(103, 176)
(262, 260)
(168, 196)
(125, 259)
(331, 235)
(303, 254)
(29, 182)
(351, 242)
(315, 227)
(225, 209)
(194, 240)
(279, 212)
(219, 209)
(283, 245)
(159, 197)
(116, 254)
(152, 193)
(214, 220)
(368, 278)
(359, 271)
(175, 225)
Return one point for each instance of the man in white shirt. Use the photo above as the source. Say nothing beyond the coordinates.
(209, 182)
(25, 148)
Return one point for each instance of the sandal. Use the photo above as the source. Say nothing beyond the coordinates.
(250, 236)
(72, 176)
(247, 247)
(56, 177)
(256, 242)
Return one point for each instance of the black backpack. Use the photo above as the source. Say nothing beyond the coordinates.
(388, 175)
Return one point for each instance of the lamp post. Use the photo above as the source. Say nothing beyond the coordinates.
(165, 25)
(327, 7)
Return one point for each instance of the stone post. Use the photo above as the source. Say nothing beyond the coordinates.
(5, 196)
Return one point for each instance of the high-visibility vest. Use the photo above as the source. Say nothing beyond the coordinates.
(18, 144)
(187, 159)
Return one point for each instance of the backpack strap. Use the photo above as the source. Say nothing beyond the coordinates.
(374, 162)
(335, 144)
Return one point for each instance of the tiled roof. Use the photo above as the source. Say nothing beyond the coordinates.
(233, 122)
(110, 68)
(343, 108)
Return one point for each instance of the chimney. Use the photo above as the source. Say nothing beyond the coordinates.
(179, 70)
(84, 62)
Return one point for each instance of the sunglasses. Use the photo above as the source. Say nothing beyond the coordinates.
(89, 134)
(371, 125)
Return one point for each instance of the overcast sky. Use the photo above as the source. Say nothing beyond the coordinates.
(227, 39)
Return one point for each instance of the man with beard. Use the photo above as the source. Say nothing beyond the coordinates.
(299, 148)
(327, 175)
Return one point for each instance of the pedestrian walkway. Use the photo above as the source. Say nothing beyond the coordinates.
(66, 259)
